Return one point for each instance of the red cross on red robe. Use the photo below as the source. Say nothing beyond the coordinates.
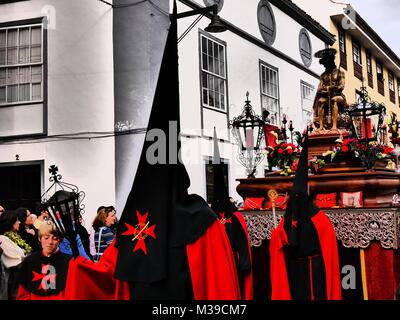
(224, 220)
(140, 232)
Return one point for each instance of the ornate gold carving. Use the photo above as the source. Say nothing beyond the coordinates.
(355, 228)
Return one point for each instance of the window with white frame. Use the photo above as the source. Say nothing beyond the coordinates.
(266, 22)
(307, 100)
(379, 71)
(305, 47)
(391, 81)
(213, 73)
(369, 62)
(270, 91)
(210, 183)
(342, 41)
(398, 87)
(21, 64)
(356, 53)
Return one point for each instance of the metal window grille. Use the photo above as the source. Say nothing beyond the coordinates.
(213, 74)
(21, 64)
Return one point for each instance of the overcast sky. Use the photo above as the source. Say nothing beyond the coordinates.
(383, 17)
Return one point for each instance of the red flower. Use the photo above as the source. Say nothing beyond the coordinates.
(345, 148)
(387, 150)
(289, 150)
(280, 150)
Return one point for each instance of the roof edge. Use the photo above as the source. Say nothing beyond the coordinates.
(303, 18)
(363, 25)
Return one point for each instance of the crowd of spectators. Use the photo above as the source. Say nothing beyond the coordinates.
(25, 235)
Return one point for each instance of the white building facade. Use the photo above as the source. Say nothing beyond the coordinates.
(73, 74)
(267, 51)
(64, 98)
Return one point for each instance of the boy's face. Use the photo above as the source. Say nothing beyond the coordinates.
(49, 244)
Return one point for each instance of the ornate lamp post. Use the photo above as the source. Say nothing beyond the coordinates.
(366, 117)
(284, 121)
(291, 128)
(248, 131)
(64, 206)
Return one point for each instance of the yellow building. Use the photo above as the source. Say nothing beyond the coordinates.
(366, 60)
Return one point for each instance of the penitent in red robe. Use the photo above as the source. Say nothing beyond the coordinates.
(211, 264)
(327, 240)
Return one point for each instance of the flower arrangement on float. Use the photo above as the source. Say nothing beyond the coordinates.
(282, 156)
(285, 156)
(367, 152)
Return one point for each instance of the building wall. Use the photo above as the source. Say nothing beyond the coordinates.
(322, 12)
(243, 74)
(353, 83)
(139, 35)
(244, 16)
(80, 96)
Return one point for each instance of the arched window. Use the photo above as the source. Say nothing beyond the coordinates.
(266, 22)
(305, 47)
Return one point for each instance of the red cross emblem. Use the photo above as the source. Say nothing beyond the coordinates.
(47, 277)
(140, 232)
(224, 220)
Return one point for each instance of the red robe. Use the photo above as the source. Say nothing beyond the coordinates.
(95, 281)
(210, 259)
(24, 294)
(327, 240)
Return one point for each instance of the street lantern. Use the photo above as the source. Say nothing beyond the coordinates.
(248, 132)
(366, 117)
(64, 207)
(215, 25)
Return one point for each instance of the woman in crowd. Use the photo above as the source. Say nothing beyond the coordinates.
(43, 274)
(14, 251)
(26, 228)
(102, 232)
(81, 237)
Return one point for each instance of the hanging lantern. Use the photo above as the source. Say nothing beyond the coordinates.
(64, 207)
(248, 131)
(366, 117)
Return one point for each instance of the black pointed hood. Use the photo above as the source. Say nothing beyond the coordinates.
(221, 202)
(159, 213)
(300, 205)
(300, 181)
